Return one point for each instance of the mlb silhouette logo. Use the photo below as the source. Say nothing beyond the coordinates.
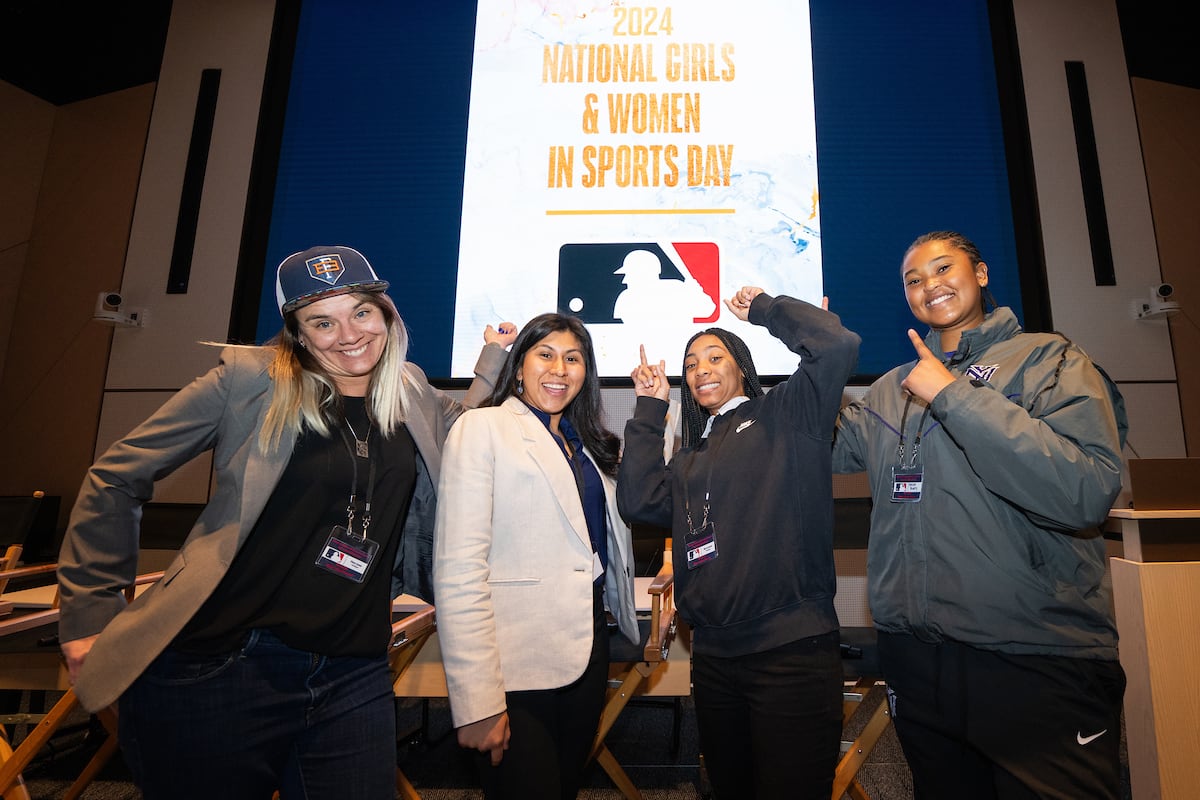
(640, 282)
(326, 268)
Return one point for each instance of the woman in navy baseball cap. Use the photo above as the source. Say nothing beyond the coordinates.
(259, 661)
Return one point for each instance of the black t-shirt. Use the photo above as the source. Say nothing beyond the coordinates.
(274, 581)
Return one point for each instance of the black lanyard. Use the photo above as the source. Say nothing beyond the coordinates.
(916, 439)
(687, 506)
(353, 505)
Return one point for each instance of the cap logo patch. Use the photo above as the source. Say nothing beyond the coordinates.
(326, 268)
(982, 372)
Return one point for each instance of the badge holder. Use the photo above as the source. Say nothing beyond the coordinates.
(907, 483)
(347, 555)
(701, 545)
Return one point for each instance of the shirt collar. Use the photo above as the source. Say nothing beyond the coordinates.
(730, 405)
(564, 425)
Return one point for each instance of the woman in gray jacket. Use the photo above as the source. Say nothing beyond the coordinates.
(258, 662)
(991, 459)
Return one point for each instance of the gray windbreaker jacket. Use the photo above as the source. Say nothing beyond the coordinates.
(1021, 461)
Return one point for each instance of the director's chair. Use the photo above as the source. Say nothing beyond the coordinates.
(409, 635)
(649, 670)
(860, 665)
(14, 761)
(17, 519)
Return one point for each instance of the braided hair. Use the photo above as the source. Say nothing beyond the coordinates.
(694, 416)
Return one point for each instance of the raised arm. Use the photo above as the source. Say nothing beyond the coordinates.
(487, 368)
(828, 353)
(644, 480)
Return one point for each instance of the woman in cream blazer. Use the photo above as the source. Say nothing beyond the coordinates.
(529, 552)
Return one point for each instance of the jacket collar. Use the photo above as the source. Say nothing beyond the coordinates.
(998, 326)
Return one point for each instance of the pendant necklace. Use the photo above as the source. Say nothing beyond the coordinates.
(360, 445)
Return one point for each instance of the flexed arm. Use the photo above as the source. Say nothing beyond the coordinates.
(644, 480)
(828, 352)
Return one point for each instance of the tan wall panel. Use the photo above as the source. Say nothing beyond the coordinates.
(57, 356)
(1099, 318)
(1169, 124)
(25, 126)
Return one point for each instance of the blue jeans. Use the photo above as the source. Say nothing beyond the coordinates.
(262, 718)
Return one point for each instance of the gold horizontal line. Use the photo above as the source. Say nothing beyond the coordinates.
(566, 212)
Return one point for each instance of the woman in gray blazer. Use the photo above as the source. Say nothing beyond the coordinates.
(258, 662)
(529, 552)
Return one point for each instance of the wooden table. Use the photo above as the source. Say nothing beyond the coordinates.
(425, 677)
(1156, 592)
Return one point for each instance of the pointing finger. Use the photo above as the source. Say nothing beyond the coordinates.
(919, 345)
(642, 348)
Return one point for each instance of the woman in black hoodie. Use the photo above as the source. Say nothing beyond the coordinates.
(749, 500)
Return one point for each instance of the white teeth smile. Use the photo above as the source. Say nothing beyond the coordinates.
(704, 387)
(939, 300)
(358, 351)
(556, 387)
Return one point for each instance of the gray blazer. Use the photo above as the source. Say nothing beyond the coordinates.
(222, 411)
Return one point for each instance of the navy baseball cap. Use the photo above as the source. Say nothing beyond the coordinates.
(320, 272)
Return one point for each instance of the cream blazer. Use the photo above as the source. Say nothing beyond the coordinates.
(513, 563)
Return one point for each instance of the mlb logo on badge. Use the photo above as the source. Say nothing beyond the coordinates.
(326, 268)
(636, 282)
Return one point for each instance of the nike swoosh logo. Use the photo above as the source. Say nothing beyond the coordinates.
(744, 425)
(1079, 737)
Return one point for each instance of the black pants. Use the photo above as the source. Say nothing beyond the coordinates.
(771, 723)
(983, 724)
(551, 731)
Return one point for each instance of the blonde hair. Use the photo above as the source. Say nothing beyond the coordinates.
(305, 395)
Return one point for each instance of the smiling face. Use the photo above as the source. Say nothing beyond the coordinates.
(711, 373)
(944, 289)
(552, 373)
(346, 334)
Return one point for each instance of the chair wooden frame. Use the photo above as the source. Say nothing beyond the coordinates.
(633, 675)
(14, 762)
(11, 556)
(408, 637)
(855, 753)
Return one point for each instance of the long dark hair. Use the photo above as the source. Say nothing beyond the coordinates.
(694, 416)
(584, 412)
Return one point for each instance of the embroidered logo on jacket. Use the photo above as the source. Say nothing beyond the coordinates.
(743, 426)
(982, 372)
